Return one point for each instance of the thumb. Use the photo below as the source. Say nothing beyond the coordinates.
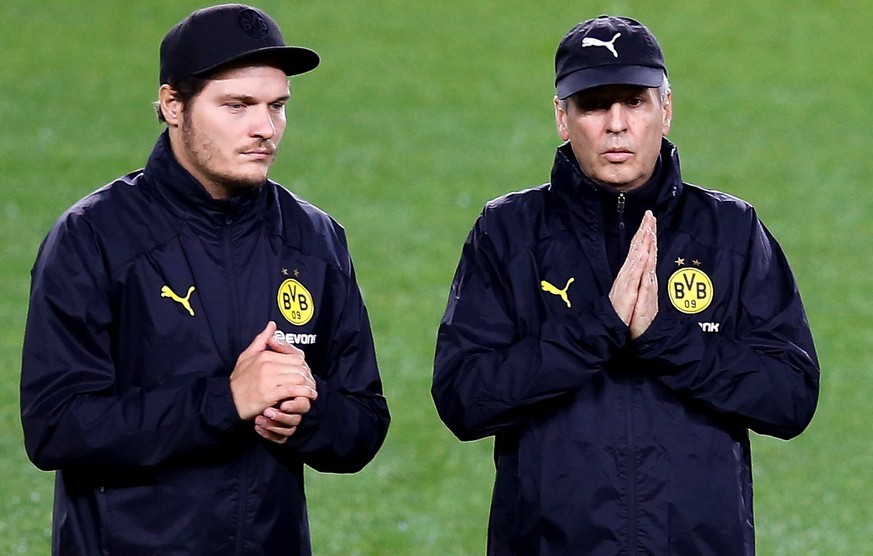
(260, 342)
(281, 346)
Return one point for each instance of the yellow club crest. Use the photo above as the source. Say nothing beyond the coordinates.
(295, 302)
(690, 290)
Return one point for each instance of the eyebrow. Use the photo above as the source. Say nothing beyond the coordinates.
(249, 99)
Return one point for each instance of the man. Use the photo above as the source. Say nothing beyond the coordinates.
(196, 333)
(619, 331)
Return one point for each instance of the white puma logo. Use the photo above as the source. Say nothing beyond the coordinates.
(184, 301)
(591, 41)
(547, 287)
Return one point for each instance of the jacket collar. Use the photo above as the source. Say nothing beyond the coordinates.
(572, 185)
(187, 199)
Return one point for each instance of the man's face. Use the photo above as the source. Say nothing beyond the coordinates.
(227, 135)
(615, 132)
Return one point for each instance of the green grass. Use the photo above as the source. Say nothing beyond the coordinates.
(419, 113)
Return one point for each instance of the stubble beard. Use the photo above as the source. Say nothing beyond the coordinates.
(203, 153)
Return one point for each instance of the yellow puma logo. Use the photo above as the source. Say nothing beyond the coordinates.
(547, 287)
(167, 292)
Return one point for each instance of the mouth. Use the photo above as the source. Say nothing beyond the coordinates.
(262, 150)
(259, 154)
(617, 155)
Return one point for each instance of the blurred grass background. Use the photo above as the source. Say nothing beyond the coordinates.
(419, 113)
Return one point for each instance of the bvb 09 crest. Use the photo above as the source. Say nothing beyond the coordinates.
(690, 290)
(295, 302)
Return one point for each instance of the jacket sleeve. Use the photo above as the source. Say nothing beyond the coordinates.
(765, 375)
(72, 414)
(348, 422)
(490, 371)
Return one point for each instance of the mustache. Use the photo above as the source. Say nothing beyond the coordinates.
(265, 145)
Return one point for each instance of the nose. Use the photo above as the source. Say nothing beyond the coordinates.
(263, 125)
(616, 118)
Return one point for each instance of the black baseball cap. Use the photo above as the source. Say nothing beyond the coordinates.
(213, 37)
(607, 50)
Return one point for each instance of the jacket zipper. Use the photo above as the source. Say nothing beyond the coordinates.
(233, 332)
(629, 414)
(632, 472)
(233, 329)
(621, 227)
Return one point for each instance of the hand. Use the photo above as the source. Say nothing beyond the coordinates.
(279, 424)
(634, 294)
(646, 307)
(268, 372)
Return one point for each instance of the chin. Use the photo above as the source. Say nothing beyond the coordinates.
(252, 180)
(244, 183)
(621, 181)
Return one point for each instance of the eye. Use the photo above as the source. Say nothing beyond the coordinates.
(277, 106)
(593, 105)
(635, 101)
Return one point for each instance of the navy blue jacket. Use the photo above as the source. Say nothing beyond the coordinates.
(124, 386)
(605, 445)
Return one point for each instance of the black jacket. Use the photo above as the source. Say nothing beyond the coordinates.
(603, 445)
(124, 386)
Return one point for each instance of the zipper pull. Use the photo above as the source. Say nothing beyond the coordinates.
(620, 209)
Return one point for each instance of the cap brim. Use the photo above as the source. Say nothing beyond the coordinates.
(293, 60)
(588, 78)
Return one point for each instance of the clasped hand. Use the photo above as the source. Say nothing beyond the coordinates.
(272, 385)
(634, 294)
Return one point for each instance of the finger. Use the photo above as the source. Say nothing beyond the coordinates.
(652, 226)
(304, 378)
(285, 428)
(639, 241)
(652, 262)
(625, 290)
(288, 374)
(272, 418)
(649, 219)
(646, 308)
(282, 392)
(284, 347)
(298, 405)
(272, 436)
(635, 265)
(290, 391)
(260, 341)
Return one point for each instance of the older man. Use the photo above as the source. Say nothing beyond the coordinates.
(619, 331)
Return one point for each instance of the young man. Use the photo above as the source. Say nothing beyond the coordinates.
(620, 331)
(196, 333)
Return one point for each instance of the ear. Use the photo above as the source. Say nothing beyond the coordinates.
(668, 113)
(170, 105)
(561, 119)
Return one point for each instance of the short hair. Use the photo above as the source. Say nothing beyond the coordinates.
(184, 91)
(664, 89)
